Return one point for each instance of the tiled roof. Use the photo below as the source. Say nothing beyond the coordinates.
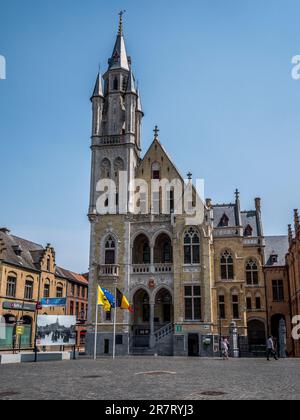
(276, 245)
(220, 210)
(29, 255)
(70, 275)
(249, 219)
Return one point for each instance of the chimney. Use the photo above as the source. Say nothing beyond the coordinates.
(258, 204)
(5, 230)
(208, 202)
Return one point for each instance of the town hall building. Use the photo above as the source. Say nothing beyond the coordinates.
(189, 281)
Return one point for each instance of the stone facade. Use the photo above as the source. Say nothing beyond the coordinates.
(186, 279)
(293, 266)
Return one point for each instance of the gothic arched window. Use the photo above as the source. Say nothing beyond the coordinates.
(116, 84)
(235, 305)
(110, 251)
(105, 169)
(192, 247)
(227, 269)
(252, 272)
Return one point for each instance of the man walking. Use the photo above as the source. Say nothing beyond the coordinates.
(271, 349)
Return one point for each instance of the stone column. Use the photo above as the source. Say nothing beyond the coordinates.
(152, 335)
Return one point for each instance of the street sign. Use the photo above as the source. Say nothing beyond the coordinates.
(178, 328)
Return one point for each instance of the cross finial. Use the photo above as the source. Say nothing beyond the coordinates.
(190, 176)
(237, 194)
(156, 131)
(121, 22)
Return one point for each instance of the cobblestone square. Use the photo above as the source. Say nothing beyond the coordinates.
(152, 379)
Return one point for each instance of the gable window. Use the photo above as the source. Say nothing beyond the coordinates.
(47, 290)
(156, 170)
(11, 286)
(252, 273)
(28, 295)
(192, 299)
(110, 251)
(248, 231)
(224, 222)
(191, 247)
(278, 290)
(48, 264)
(227, 269)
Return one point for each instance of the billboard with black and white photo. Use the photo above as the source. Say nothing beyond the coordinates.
(53, 330)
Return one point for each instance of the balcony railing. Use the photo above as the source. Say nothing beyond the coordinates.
(152, 268)
(109, 270)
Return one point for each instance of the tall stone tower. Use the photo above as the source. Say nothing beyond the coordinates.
(116, 147)
(117, 117)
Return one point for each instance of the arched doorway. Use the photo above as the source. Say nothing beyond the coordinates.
(141, 250)
(163, 313)
(141, 323)
(256, 333)
(163, 253)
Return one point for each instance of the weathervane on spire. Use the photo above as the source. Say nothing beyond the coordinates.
(121, 22)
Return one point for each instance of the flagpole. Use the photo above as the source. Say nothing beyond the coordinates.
(96, 329)
(115, 323)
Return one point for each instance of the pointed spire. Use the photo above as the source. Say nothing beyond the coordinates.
(119, 57)
(131, 84)
(238, 215)
(139, 103)
(296, 220)
(290, 233)
(98, 90)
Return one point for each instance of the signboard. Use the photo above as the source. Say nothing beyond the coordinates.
(2, 328)
(55, 330)
(58, 302)
(18, 306)
(178, 329)
(20, 330)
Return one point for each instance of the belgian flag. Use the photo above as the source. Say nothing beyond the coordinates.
(122, 302)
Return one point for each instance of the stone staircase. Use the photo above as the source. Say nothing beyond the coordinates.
(163, 343)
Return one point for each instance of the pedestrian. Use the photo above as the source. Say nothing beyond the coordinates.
(271, 349)
(225, 348)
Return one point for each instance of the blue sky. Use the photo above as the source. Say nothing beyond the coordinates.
(214, 75)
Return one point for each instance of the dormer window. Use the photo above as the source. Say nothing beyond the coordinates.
(248, 231)
(224, 221)
(17, 250)
(274, 258)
